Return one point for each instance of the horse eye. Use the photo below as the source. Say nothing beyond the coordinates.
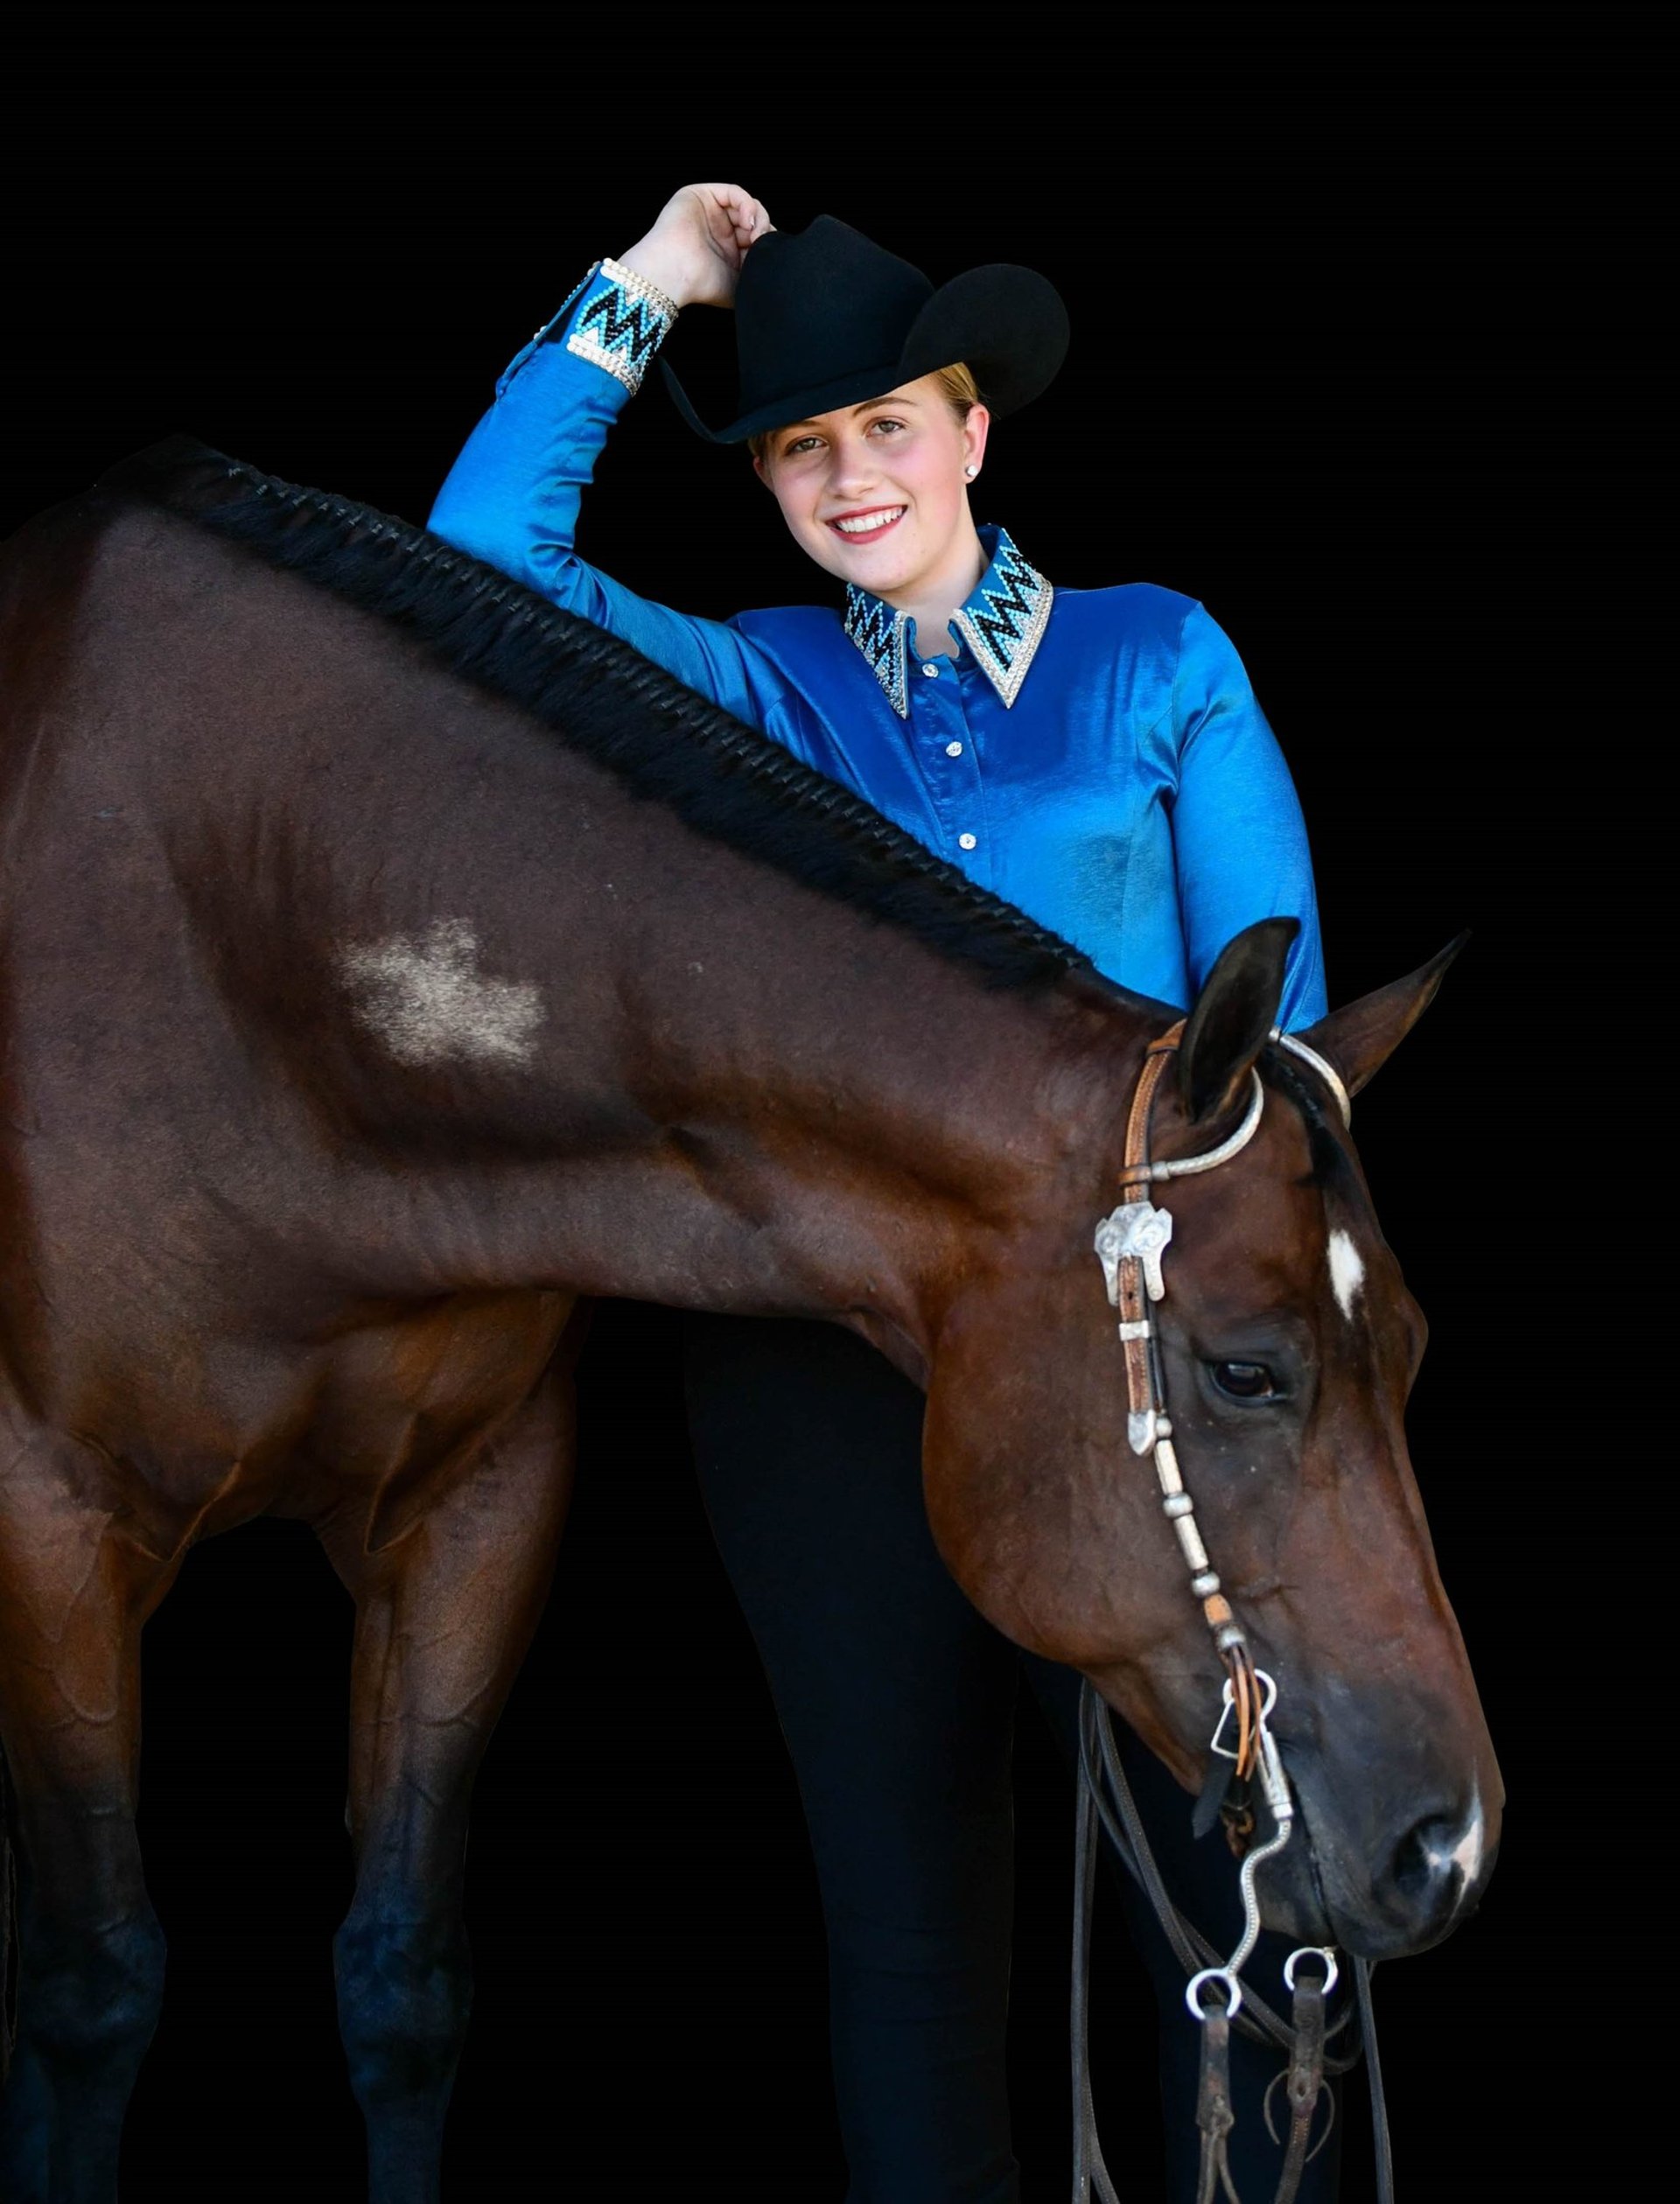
(1244, 1381)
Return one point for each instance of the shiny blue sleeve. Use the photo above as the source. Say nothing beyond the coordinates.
(512, 497)
(1239, 839)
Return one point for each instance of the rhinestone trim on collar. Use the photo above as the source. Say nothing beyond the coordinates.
(877, 630)
(1003, 624)
(1003, 621)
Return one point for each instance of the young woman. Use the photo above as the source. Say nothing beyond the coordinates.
(1098, 757)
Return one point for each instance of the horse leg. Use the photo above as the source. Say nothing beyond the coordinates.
(73, 1595)
(443, 1618)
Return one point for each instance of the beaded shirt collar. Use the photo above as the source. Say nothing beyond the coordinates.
(1001, 623)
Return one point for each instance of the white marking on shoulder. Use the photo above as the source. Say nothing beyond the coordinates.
(1347, 1271)
(426, 1000)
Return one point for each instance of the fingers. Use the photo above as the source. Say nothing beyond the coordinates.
(748, 218)
(752, 221)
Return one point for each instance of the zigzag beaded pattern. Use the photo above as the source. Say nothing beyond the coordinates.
(1005, 638)
(877, 630)
(620, 330)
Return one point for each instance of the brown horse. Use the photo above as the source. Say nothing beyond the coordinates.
(391, 963)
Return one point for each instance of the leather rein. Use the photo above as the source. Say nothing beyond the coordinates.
(1130, 1244)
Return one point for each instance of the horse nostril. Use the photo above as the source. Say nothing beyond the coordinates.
(1424, 1859)
(1437, 1865)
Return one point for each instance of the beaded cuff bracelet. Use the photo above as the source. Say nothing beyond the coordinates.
(623, 325)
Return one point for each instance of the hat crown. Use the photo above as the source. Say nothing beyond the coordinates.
(816, 304)
(825, 318)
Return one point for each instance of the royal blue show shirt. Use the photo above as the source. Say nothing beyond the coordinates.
(1095, 756)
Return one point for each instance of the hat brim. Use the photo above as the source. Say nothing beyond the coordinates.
(1007, 324)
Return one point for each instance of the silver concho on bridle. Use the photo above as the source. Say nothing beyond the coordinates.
(1136, 1228)
(1137, 1232)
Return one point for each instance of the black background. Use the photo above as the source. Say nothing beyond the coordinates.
(1376, 390)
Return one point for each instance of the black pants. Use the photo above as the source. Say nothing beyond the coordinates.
(897, 1702)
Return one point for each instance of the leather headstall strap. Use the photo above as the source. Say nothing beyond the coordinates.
(1143, 1233)
(1130, 1243)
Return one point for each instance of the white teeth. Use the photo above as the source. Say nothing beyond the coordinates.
(868, 522)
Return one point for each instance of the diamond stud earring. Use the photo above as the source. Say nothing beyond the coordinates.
(970, 471)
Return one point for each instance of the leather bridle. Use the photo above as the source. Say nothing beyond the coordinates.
(1131, 1242)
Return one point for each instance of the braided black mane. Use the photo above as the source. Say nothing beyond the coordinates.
(721, 777)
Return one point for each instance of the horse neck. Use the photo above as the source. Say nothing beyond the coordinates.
(879, 1126)
(620, 1056)
(741, 1095)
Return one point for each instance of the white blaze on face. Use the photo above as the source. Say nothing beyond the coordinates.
(426, 1000)
(1346, 1271)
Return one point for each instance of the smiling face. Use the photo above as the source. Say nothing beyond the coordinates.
(877, 493)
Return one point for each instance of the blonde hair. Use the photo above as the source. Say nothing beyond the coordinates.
(956, 386)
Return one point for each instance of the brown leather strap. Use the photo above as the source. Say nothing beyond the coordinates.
(1134, 1184)
(1134, 1308)
(1133, 1301)
(1143, 1100)
(1245, 1693)
(1214, 2114)
(1303, 2083)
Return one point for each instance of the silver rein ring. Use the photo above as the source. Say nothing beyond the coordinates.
(1333, 1972)
(1226, 1978)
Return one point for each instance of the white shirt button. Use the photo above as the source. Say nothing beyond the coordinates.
(965, 841)
(952, 750)
(931, 670)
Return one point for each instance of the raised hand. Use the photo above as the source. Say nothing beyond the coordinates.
(695, 250)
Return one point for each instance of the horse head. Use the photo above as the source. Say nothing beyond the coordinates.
(1287, 1345)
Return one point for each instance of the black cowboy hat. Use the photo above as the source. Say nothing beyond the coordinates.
(824, 317)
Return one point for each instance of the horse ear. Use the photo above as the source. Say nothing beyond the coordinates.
(1360, 1039)
(1234, 1012)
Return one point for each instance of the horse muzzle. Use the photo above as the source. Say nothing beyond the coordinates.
(1397, 1885)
